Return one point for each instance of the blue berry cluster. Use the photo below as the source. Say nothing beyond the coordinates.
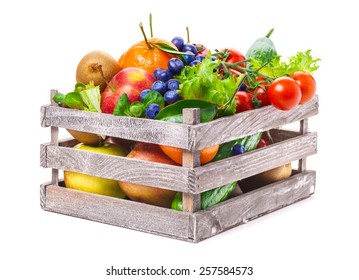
(165, 82)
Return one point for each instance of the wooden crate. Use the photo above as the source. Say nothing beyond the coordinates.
(193, 224)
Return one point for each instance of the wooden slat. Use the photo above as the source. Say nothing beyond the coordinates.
(247, 123)
(117, 168)
(138, 129)
(242, 166)
(254, 204)
(191, 137)
(191, 202)
(114, 211)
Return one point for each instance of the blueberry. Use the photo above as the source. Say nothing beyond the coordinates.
(175, 65)
(200, 57)
(171, 96)
(159, 86)
(178, 42)
(144, 93)
(164, 76)
(238, 149)
(189, 47)
(157, 72)
(243, 87)
(194, 62)
(173, 84)
(188, 57)
(152, 110)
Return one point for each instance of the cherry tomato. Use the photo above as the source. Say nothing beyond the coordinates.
(307, 85)
(284, 93)
(235, 56)
(262, 96)
(263, 143)
(243, 101)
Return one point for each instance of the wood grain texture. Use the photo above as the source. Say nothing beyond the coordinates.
(191, 227)
(191, 159)
(117, 168)
(252, 205)
(190, 137)
(138, 129)
(242, 166)
(247, 123)
(115, 211)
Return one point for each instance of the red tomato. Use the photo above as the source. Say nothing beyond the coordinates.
(263, 143)
(307, 85)
(262, 96)
(243, 101)
(284, 93)
(235, 56)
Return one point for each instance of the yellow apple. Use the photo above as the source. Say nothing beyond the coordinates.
(92, 184)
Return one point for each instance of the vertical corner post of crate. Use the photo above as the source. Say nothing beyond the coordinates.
(191, 159)
(303, 129)
(54, 140)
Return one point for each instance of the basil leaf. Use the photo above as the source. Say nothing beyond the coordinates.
(122, 107)
(173, 112)
(249, 143)
(153, 97)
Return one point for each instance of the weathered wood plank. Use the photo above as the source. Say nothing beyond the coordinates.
(242, 166)
(117, 168)
(114, 211)
(191, 202)
(247, 123)
(191, 137)
(249, 206)
(138, 129)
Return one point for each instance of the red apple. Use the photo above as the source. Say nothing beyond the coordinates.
(146, 194)
(131, 81)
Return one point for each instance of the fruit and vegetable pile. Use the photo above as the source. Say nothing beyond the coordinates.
(157, 79)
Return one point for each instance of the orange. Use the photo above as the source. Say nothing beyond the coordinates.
(206, 155)
(141, 56)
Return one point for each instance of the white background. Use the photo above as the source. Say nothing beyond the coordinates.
(41, 44)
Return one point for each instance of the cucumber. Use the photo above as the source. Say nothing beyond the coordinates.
(217, 195)
(263, 49)
(208, 198)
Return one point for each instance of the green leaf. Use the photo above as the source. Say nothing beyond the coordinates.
(174, 112)
(137, 109)
(91, 96)
(122, 107)
(153, 97)
(302, 61)
(203, 82)
(168, 48)
(59, 98)
(249, 143)
(73, 100)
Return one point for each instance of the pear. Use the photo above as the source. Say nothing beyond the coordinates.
(97, 66)
(265, 178)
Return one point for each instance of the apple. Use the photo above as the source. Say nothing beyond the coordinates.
(146, 194)
(92, 184)
(132, 81)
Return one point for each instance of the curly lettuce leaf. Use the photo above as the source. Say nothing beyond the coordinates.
(203, 82)
(302, 61)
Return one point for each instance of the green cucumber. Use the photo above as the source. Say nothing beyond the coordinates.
(217, 195)
(263, 49)
(208, 198)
